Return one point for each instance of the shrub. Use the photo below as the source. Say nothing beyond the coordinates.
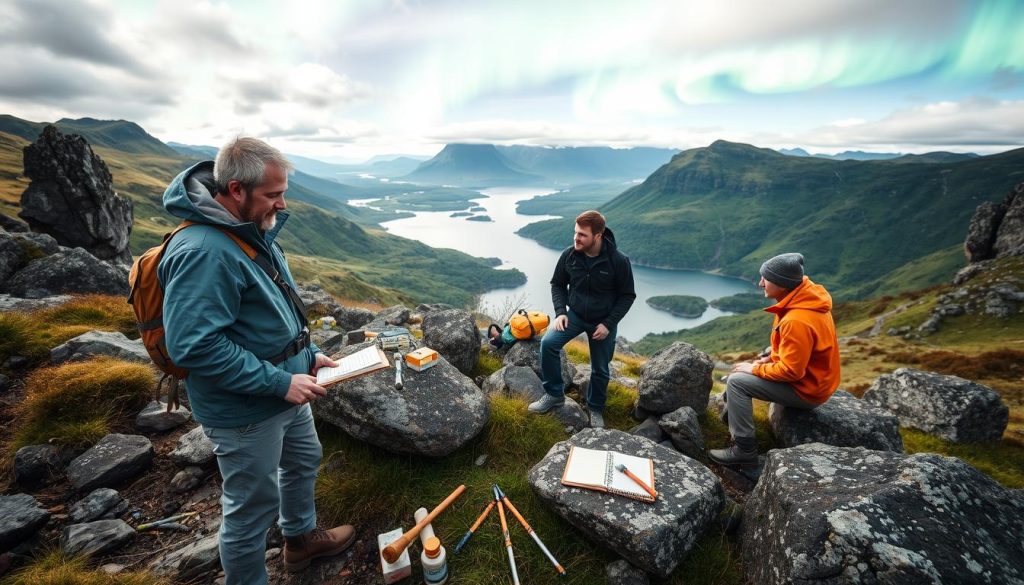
(78, 403)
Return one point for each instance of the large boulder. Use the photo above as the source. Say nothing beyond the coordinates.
(526, 352)
(655, 537)
(317, 299)
(683, 429)
(950, 407)
(454, 335)
(395, 315)
(21, 516)
(828, 515)
(96, 537)
(843, 421)
(678, 375)
(351, 318)
(981, 232)
(69, 271)
(114, 459)
(1010, 237)
(100, 343)
(515, 381)
(71, 197)
(437, 410)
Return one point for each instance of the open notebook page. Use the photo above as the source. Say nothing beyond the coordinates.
(640, 466)
(360, 360)
(588, 467)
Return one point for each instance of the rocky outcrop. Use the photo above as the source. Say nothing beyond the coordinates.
(828, 515)
(68, 271)
(678, 375)
(21, 516)
(454, 335)
(950, 407)
(655, 537)
(100, 343)
(843, 421)
(437, 410)
(1009, 239)
(114, 459)
(71, 197)
(982, 231)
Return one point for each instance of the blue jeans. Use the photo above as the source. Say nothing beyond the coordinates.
(600, 356)
(268, 468)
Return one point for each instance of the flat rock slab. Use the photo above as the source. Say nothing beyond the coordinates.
(678, 375)
(155, 418)
(843, 421)
(194, 448)
(655, 537)
(97, 537)
(437, 410)
(950, 407)
(114, 459)
(190, 561)
(100, 343)
(21, 516)
(100, 504)
(828, 515)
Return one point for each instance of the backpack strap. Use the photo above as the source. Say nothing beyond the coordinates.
(533, 332)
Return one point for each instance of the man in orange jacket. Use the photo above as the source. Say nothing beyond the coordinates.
(803, 368)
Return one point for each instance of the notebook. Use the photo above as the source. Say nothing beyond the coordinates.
(595, 470)
(364, 361)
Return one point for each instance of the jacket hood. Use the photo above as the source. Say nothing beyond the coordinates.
(609, 239)
(808, 295)
(190, 196)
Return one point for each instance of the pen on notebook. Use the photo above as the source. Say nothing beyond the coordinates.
(639, 481)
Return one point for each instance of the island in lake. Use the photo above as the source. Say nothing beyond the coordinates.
(686, 306)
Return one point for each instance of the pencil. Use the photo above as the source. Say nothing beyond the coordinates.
(639, 481)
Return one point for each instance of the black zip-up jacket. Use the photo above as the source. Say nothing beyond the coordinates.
(602, 294)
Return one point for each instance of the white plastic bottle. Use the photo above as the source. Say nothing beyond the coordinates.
(433, 558)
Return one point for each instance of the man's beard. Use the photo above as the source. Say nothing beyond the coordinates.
(264, 222)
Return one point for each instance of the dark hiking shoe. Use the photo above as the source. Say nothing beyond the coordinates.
(300, 550)
(734, 455)
(724, 415)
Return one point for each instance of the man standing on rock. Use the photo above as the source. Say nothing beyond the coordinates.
(592, 289)
(803, 368)
(235, 326)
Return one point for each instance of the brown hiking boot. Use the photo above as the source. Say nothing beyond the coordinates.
(300, 550)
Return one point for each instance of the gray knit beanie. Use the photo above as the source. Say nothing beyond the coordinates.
(785, 270)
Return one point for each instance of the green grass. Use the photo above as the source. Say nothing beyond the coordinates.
(53, 568)
(1002, 460)
(380, 491)
(747, 332)
(78, 403)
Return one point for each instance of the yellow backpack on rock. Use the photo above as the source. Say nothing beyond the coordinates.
(526, 324)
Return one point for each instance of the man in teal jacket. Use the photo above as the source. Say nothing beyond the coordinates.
(245, 344)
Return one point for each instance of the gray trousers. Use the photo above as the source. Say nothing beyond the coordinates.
(741, 388)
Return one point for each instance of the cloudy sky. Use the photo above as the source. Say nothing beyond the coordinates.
(345, 80)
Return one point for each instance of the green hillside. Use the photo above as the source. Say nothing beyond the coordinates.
(375, 265)
(729, 206)
(472, 165)
(117, 134)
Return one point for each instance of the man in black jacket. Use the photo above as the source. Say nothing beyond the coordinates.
(592, 289)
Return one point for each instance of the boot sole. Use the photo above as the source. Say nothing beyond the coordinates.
(546, 410)
(300, 565)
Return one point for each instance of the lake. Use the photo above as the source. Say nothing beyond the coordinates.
(498, 239)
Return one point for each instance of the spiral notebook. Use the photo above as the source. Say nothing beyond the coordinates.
(595, 470)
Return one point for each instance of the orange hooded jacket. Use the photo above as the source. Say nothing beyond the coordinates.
(805, 351)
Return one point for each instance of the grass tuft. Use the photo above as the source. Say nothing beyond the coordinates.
(54, 568)
(1002, 460)
(78, 403)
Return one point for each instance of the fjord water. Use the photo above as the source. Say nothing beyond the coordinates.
(498, 239)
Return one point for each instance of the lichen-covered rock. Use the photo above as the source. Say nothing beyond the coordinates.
(621, 572)
(352, 318)
(191, 561)
(114, 459)
(100, 343)
(649, 429)
(830, 515)
(437, 410)
(396, 315)
(454, 335)
(515, 380)
(843, 421)
(72, 270)
(655, 537)
(102, 503)
(72, 198)
(154, 417)
(678, 375)
(571, 415)
(96, 537)
(13, 303)
(683, 429)
(194, 448)
(315, 297)
(526, 352)
(21, 516)
(950, 407)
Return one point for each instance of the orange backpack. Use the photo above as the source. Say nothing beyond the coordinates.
(146, 297)
(526, 324)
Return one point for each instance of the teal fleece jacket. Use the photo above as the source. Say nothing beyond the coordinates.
(223, 316)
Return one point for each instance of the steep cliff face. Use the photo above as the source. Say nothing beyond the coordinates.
(997, 229)
(72, 199)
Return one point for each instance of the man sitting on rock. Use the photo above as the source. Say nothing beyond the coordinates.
(592, 289)
(235, 325)
(803, 368)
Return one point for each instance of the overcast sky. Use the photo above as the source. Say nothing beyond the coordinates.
(348, 79)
